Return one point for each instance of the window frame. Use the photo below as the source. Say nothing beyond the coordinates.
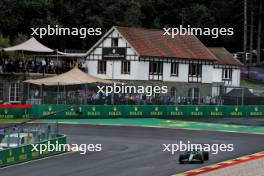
(114, 41)
(174, 69)
(101, 64)
(173, 91)
(15, 96)
(155, 68)
(195, 72)
(227, 73)
(195, 69)
(125, 67)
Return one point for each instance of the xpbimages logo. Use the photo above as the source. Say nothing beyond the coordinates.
(56, 30)
(57, 147)
(183, 147)
(128, 89)
(214, 32)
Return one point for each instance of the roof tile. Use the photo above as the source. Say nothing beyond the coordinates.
(152, 43)
(224, 57)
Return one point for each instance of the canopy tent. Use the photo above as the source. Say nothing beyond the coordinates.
(31, 45)
(72, 77)
(239, 92)
(242, 96)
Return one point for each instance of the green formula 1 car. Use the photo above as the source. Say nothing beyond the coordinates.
(194, 157)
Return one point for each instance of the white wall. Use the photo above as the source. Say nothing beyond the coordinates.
(216, 75)
(138, 70)
(236, 77)
(182, 73)
(207, 73)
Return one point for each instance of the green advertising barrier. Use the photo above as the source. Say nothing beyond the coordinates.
(133, 111)
(256, 111)
(143, 111)
(24, 153)
(11, 113)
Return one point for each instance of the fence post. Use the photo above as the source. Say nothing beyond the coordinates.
(58, 89)
(42, 95)
(242, 96)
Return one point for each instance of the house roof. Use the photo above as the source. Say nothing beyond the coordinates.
(152, 43)
(224, 57)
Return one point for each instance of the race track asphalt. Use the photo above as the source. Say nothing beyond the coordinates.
(130, 151)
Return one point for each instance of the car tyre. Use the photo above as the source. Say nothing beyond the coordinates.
(206, 156)
(181, 159)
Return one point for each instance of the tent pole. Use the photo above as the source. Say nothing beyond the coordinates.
(85, 93)
(65, 94)
(242, 98)
(42, 95)
(28, 93)
(57, 64)
(58, 93)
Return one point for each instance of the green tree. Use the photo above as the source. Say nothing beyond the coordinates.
(19, 39)
(132, 15)
(4, 41)
(199, 15)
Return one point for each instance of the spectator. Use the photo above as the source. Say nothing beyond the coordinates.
(20, 64)
(6, 65)
(1, 66)
(43, 66)
(51, 64)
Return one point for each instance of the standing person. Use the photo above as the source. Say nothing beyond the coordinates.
(2, 133)
(20, 63)
(6, 65)
(1, 65)
(83, 66)
(36, 93)
(33, 67)
(12, 66)
(51, 64)
(43, 66)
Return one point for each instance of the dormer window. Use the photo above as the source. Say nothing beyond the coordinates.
(114, 42)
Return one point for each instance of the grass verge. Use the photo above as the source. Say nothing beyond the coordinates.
(6, 121)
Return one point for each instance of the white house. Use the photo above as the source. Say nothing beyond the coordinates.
(144, 56)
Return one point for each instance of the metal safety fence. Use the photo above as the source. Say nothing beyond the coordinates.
(188, 94)
(16, 136)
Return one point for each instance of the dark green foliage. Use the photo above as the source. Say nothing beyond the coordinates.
(18, 16)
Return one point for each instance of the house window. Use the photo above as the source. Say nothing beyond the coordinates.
(14, 93)
(125, 67)
(195, 69)
(173, 92)
(174, 69)
(101, 67)
(114, 42)
(195, 72)
(227, 74)
(1, 92)
(155, 70)
(194, 95)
